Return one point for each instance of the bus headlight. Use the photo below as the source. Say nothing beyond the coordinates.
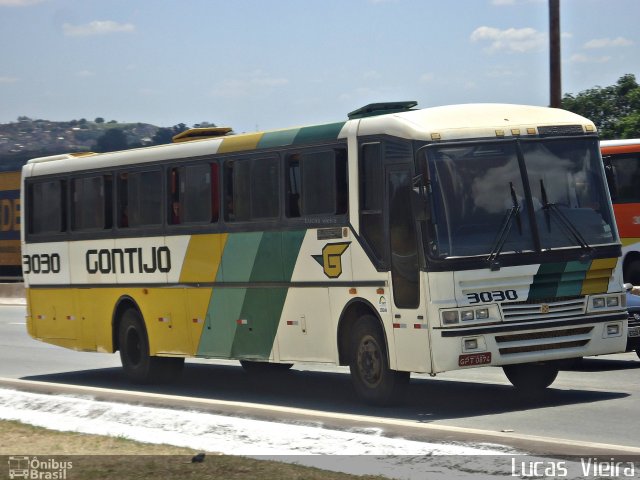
(470, 315)
(598, 302)
(450, 317)
(612, 301)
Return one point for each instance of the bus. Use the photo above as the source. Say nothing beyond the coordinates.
(398, 240)
(622, 165)
(10, 215)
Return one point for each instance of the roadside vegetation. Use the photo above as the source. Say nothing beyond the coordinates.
(96, 457)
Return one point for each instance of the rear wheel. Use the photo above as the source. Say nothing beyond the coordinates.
(373, 380)
(138, 365)
(531, 377)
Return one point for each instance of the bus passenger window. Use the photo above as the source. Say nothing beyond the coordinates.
(45, 207)
(123, 202)
(176, 186)
(91, 203)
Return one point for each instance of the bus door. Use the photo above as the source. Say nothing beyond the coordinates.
(408, 304)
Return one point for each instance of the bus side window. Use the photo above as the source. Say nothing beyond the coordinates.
(91, 203)
(371, 196)
(45, 207)
(123, 200)
(176, 190)
(317, 183)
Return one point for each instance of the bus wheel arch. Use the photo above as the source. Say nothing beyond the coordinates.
(363, 346)
(124, 303)
(355, 309)
(132, 340)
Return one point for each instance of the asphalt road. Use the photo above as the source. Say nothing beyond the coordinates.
(596, 401)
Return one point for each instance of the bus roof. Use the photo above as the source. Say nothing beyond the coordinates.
(453, 122)
(631, 145)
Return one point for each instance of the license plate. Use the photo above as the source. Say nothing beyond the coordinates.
(473, 359)
(634, 332)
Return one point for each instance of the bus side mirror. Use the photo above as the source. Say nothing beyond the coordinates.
(610, 173)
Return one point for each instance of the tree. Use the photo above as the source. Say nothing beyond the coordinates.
(99, 120)
(615, 109)
(165, 135)
(111, 140)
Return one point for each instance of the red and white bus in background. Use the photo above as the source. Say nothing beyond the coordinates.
(622, 164)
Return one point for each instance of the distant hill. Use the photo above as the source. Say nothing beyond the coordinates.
(27, 138)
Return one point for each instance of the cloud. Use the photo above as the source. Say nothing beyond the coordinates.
(608, 42)
(19, 3)
(582, 58)
(509, 3)
(97, 27)
(85, 73)
(516, 40)
(248, 84)
(427, 77)
(8, 80)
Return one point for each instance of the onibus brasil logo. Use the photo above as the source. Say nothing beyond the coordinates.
(36, 469)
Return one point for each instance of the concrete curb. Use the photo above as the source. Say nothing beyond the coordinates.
(12, 294)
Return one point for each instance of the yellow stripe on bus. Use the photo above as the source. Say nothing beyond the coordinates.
(598, 276)
(203, 258)
(240, 142)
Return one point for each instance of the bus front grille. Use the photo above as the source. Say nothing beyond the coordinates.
(539, 310)
(541, 341)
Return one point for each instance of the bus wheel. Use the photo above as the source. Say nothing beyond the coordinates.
(531, 377)
(138, 365)
(252, 367)
(374, 382)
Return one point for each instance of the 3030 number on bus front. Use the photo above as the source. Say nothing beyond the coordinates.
(493, 296)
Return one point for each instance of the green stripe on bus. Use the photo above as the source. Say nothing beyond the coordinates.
(243, 322)
(572, 279)
(225, 306)
(318, 133)
(278, 139)
(263, 306)
(546, 281)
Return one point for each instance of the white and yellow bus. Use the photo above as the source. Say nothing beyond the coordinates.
(401, 240)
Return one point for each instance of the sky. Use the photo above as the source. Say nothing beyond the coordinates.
(268, 64)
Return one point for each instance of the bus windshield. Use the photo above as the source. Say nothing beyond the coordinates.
(480, 204)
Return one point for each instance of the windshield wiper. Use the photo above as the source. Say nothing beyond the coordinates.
(566, 224)
(512, 213)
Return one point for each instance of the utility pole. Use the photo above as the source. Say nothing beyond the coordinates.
(555, 81)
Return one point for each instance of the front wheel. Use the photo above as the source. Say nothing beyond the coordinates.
(374, 382)
(138, 365)
(531, 377)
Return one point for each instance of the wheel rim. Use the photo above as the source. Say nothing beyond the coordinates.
(134, 347)
(369, 361)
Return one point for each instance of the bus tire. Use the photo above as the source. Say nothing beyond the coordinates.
(138, 365)
(531, 377)
(375, 383)
(253, 367)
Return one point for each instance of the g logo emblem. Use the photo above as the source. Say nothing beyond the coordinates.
(331, 258)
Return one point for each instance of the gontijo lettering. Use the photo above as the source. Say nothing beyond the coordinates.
(128, 260)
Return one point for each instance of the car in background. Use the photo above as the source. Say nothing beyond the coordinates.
(633, 335)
